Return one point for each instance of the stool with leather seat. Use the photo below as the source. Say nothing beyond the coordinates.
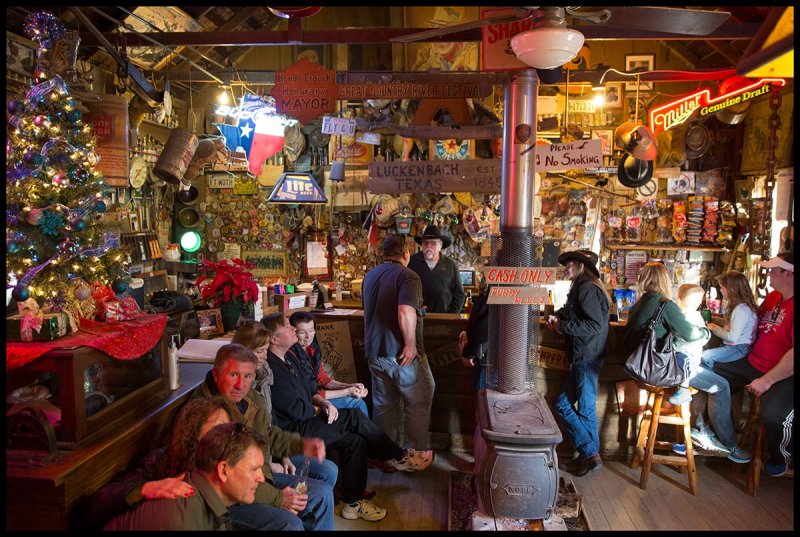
(646, 443)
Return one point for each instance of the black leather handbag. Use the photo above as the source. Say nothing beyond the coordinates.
(651, 366)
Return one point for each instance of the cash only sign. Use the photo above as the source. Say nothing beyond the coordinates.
(519, 285)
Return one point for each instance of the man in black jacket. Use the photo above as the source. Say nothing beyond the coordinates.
(296, 406)
(584, 321)
(442, 291)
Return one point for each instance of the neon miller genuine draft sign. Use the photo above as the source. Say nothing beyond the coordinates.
(701, 104)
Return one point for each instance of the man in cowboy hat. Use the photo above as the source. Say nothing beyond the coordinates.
(441, 285)
(584, 321)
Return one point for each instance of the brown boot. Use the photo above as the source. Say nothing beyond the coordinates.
(589, 465)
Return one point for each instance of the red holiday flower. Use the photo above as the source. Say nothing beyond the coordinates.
(232, 282)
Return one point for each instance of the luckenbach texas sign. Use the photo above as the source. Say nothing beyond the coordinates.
(396, 177)
(700, 104)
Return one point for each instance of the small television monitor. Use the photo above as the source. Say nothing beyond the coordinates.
(467, 278)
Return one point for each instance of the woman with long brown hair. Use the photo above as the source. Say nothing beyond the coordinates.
(741, 321)
(160, 474)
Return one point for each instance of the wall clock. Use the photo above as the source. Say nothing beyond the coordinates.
(139, 172)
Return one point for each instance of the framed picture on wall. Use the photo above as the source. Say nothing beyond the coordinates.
(635, 63)
(210, 322)
(606, 136)
(614, 95)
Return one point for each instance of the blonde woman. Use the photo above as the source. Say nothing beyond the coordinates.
(741, 321)
(654, 286)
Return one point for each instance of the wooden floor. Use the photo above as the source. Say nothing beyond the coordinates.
(612, 499)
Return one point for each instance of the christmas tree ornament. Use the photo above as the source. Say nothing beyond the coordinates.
(51, 223)
(12, 247)
(20, 293)
(35, 216)
(82, 291)
(78, 224)
(379, 209)
(119, 286)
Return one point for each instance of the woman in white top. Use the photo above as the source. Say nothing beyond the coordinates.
(741, 321)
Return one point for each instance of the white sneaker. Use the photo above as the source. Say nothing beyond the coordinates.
(413, 460)
(363, 509)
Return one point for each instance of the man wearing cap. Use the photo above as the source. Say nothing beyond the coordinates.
(584, 321)
(392, 298)
(768, 370)
(441, 285)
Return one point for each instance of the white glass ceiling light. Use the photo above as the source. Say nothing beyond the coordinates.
(550, 44)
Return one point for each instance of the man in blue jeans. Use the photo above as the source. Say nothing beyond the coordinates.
(392, 299)
(584, 321)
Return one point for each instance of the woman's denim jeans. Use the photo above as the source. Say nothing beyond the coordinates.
(580, 387)
(725, 353)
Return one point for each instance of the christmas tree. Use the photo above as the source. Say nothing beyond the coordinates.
(57, 243)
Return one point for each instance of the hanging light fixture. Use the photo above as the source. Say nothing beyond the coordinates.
(223, 97)
(550, 43)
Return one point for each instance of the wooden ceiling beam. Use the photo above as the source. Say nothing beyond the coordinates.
(382, 35)
(683, 52)
(726, 51)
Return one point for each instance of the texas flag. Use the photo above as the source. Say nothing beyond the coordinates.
(372, 231)
(267, 141)
(258, 132)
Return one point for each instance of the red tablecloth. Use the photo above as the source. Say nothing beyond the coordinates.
(124, 340)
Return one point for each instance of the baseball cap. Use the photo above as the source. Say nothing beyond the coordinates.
(784, 261)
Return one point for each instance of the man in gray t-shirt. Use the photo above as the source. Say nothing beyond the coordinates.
(392, 300)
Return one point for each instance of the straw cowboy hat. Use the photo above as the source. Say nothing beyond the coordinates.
(636, 140)
(432, 232)
(587, 257)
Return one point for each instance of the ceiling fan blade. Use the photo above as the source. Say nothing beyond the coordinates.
(437, 32)
(668, 19)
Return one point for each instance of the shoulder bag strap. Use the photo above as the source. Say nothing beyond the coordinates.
(652, 325)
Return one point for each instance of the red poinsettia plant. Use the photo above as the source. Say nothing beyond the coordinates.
(232, 282)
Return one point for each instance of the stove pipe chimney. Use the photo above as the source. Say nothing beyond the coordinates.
(515, 458)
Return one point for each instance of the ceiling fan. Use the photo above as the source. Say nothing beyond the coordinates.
(656, 19)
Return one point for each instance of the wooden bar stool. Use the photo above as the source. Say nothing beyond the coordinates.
(754, 428)
(646, 443)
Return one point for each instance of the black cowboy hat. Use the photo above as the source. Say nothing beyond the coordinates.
(432, 232)
(633, 172)
(587, 257)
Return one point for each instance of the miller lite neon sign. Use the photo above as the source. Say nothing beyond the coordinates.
(701, 104)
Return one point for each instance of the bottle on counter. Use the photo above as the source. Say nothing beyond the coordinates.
(468, 303)
(173, 372)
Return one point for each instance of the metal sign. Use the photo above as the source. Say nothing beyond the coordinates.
(338, 125)
(220, 181)
(518, 275)
(305, 91)
(297, 188)
(518, 295)
(396, 177)
(412, 90)
(371, 138)
(574, 155)
(701, 104)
